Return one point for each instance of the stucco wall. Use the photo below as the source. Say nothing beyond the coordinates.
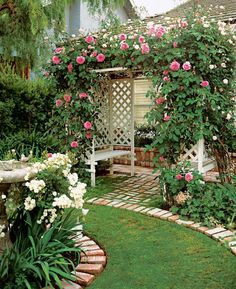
(78, 16)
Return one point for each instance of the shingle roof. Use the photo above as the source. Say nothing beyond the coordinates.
(226, 14)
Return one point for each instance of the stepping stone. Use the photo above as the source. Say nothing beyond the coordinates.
(202, 229)
(139, 209)
(184, 223)
(91, 200)
(94, 260)
(87, 243)
(222, 235)
(214, 231)
(99, 252)
(89, 248)
(173, 218)
(67, 285)
(84, 279)
(94, 269)
(132, 207)
(195, 226)
(233, 250)
(166, 216)
(152, 212)
(160, 213)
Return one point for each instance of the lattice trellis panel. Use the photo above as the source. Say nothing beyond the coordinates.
(103, 124)
(122, 90)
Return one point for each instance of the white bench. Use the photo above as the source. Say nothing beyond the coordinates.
(106, 154)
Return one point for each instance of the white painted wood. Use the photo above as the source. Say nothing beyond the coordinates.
(114, 69)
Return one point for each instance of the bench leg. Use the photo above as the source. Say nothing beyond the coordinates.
(132, 165)
(93, 175)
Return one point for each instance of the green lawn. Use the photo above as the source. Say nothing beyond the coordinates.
(147, 253)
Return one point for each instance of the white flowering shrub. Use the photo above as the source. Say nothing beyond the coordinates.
(50, 188)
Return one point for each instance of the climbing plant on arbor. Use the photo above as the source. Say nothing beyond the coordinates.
(191, 64)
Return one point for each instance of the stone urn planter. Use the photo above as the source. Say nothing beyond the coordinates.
(10, 172)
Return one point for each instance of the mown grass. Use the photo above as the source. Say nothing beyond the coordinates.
(147, 253)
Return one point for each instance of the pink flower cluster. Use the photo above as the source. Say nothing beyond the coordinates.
(145, 49)
(204, 83)
(87, 125)
(160, 100)
(124, 46)
(83, 95)
(80, 59)
(70, 67)
(67, 98)
(58, 50)
(56, 60)
(188, 177)
(90, 39)
(175, 66)
(100, 57)
(74, 144)
(157, 31)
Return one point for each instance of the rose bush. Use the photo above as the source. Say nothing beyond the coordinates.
(192, 70)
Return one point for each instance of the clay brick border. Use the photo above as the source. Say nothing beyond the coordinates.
(220, 234)
(93, 260)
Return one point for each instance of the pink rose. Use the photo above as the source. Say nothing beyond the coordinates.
(85, 53)
(145, 48)
(160, 32)
(46, 73)
(89, 39)
(165, 72)
(80, 59)
(141, 39)
(67, 98)
(59, 102)
(166, 118)
(179, 177)
(70, 67)
(166, 78)
(183, 24)
(151, 30)
(124, 46)
(49, 155)
(55, 60)
(204, 83)
(186, 66)
(74, 144)
(87, 125)
(58, 50)
(160, 100)
(94, 54)
(161, 158)
(100, 57)
(123, 37)
(83, 95)
(88, 134)
(174, 66)
(175, 44)
(188, 177)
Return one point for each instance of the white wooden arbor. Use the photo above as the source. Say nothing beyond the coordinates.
(115, 121)
(198, 158)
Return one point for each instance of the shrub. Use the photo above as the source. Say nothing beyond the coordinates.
(25, 108)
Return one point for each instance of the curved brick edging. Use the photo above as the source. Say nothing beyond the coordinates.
(92, 262)
(219, 234)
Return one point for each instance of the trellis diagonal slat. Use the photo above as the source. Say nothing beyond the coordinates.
(114, 122)
(198, 157)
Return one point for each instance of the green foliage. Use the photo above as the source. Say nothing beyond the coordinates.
(212, 204)
(25, 108)
(143, 135)
(41, 259)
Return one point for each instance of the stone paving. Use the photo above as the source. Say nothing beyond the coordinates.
(140, 189)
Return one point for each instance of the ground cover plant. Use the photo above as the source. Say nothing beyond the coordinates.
(145, 253)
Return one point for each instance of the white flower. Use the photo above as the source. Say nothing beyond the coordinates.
(136, 46)
(73, 35)
(222, 7)
(223, 65)
(214, 137)
(62, 202)
(104, 45)
(54, 193)
(2, 235)
(35, 185)
(225, 81)
(4, 197)
(228, 117)
(211, 66)
(73, 179)
(206, 25)
(29, 204)
(85, 212)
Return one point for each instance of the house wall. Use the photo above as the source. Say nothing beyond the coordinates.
(78, 16)
(142, 104)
